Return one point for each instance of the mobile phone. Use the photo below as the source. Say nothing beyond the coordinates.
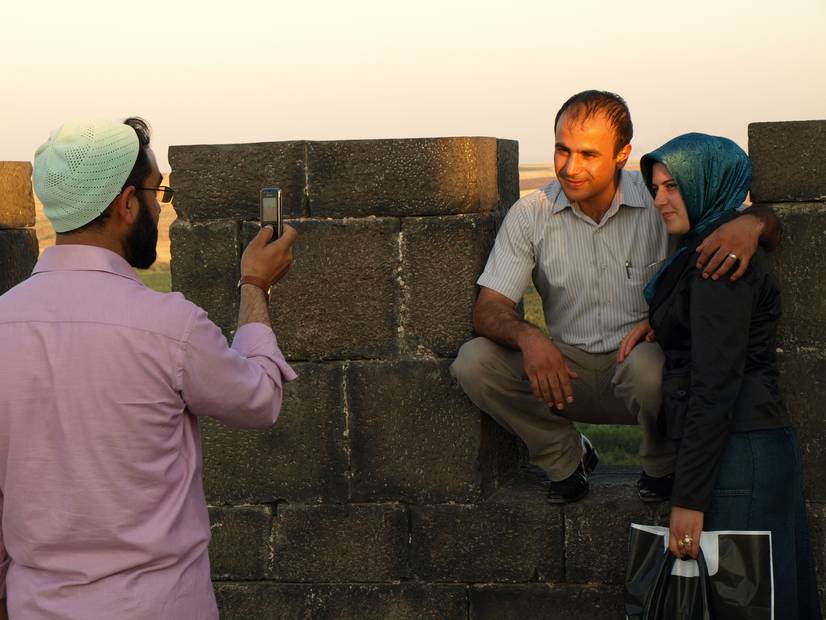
(270, 200)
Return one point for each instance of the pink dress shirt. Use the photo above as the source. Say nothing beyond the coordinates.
(102, 381)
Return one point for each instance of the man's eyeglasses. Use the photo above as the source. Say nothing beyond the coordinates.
(163, 192)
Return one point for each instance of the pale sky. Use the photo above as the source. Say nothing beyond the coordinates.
(241, 71)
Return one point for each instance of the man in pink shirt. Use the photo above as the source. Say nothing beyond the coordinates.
(103, 381)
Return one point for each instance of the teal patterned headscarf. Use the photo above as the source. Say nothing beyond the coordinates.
(714, 176)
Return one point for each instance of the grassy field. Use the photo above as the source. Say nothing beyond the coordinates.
(157, 277)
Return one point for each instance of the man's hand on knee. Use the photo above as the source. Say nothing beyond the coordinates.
(547, 370)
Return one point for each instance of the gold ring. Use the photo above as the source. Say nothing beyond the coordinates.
(733, 256)
(686, 541)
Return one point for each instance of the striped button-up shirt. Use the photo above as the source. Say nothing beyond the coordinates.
(590, 276)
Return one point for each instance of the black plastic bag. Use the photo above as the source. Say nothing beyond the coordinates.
(738, 567)
(678, 598)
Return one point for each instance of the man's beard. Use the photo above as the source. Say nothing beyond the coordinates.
(140, 244)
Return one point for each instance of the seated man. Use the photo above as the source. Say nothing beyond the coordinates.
(590, 240)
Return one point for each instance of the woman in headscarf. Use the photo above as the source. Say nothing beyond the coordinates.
(738, 464)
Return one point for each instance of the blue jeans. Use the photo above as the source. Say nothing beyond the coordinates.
(760, 487)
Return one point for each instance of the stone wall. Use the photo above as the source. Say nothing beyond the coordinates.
(381, 492)
(790, 176)
(18, 241)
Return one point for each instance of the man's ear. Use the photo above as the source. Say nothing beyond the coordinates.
(622, 156)
(126, 206)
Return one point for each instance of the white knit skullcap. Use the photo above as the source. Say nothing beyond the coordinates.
(81, 169)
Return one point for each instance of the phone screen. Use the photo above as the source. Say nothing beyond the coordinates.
(271, 209)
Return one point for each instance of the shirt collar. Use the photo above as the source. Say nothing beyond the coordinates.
(83, 258)
(627, 195)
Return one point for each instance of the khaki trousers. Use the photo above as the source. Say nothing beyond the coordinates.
(606, 392)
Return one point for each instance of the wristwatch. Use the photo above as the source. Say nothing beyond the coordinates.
(255, 281)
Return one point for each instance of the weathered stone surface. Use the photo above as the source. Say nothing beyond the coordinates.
(544, 601)
(442, 258)
(414, 435)
(803, 385)
(341, 543)
(817, 532)
(204, 267)
(241, 547)
(800, 274)
(423, 176)
(223, 181)
(239, 601)
(789, 161)
(18, 254)
(596, 528)
(507, 156)
(302, 458)
(340, 298)
(16, 198)
(513, 536)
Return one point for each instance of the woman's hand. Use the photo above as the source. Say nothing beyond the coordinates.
(641, 331)
(685, 521)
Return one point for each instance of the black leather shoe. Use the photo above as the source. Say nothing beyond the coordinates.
(653, 489)
(571, 489)
(575, 486)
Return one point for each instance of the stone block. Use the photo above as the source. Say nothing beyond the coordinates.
(803, 386)
(423, 176)
(507, 156)
(205, 268)
(16, 198)
(441, 259)
(301, 458)
(240, 601)
(817, 533)
(513, 536)
(241, 547)
(799, 272)
(600, 522)
(18, 254)
(223, 181)
(341, 543)
(414, 435)
(789, 161)
(340, 299)
(544, 601)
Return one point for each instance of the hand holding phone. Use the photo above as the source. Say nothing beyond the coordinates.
(270, 210)
(269, 260)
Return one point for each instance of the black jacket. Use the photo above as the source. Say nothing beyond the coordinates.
(720, 373)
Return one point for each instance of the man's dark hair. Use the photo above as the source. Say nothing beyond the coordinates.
(589, 103)
(140, 170)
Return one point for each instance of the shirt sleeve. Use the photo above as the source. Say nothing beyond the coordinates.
(4, 558)
(720, 318)
(512, 259)
(240, 385)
